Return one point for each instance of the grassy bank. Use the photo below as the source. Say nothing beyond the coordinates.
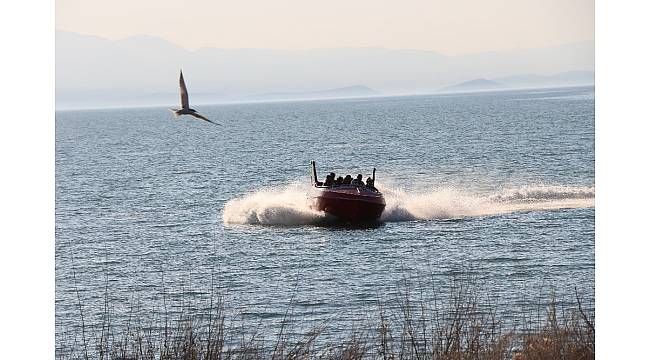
(456, 325)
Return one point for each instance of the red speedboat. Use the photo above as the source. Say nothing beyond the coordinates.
(349, 203)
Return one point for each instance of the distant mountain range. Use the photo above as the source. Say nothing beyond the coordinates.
(474, 85)
(569, 78)
(143, 70)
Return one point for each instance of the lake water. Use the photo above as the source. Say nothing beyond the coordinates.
(498, 185)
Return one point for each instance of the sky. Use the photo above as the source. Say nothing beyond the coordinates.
(449, 27)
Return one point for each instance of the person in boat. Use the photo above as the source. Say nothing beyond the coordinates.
(347, 180)
(339, 181)
(328, 180)
(370, 183)
(358, 181)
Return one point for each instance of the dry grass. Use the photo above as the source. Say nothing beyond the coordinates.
(571, 336)
(454, 326)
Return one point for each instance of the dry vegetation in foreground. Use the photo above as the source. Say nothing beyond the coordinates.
(458, 327)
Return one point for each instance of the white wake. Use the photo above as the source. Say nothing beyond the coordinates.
(289, 205)
(279, 206)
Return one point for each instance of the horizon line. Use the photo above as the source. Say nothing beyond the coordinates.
(440, 92)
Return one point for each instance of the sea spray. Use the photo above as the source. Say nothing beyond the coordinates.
(453, 203)
(532, 193)
(289, 205)
(441, 203)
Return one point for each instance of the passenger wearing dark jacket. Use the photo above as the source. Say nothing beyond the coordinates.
(358, 181)
(370, 183)
(329, 180)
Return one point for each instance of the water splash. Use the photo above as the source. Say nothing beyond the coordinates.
(289, 205)
(453, 203)
(279, 206)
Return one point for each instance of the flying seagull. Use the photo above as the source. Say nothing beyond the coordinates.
(185, 104)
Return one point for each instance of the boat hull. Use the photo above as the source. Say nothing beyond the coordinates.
(351, 204)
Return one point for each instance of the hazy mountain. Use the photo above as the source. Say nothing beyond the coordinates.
(143, 70)
(475, 85)
(569, 78)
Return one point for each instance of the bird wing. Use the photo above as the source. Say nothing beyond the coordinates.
(185, 102)
(199, 116)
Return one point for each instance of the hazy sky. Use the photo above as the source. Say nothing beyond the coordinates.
(450, 27)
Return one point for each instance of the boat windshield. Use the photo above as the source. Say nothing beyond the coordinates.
(348, 182)
(347, 186)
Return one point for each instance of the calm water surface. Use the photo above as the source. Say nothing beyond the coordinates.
(497, 185)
